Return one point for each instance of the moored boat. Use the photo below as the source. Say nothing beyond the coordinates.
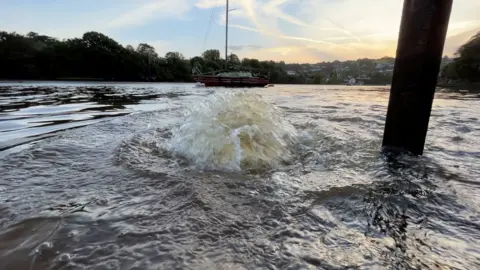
(233, 77)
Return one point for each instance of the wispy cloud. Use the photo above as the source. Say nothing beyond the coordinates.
(324, 28)
(46, 19)
(152, 10)
(243, 47)
(259, 16)
(279, 35)
(209, 3)
(273, 8)
(286, 29)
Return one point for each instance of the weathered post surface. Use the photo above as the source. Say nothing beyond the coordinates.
(420, 46)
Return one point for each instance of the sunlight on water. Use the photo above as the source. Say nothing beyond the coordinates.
(233, 131)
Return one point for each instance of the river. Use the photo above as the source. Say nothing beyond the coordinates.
(169, 176)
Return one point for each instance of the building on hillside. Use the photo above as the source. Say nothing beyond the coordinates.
(380, 66)
(384, 67)
(291, 72)
(364, 77)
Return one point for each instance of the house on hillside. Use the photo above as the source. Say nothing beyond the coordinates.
(363, 77)
(384, 67)
(291, 72)
(380, 66)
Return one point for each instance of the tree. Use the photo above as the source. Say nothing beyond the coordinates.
(147, 50)
(449, 72)
(211, 55)
(466, 66)
(468, 62)
(178, 66)
(97, 56)
(130, 48)
(174, 56)
(197, 62)
(252, 63)
(233, 59)
(318, 78)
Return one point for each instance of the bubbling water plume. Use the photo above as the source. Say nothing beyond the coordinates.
(234, 131)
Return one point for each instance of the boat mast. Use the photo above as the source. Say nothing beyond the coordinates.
(226, 35)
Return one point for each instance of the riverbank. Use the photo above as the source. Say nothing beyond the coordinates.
(451, 86)
(100, 80)
(459, 86)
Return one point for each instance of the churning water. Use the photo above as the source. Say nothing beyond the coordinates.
(168, 176)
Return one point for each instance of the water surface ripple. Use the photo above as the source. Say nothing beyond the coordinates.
(109, 176)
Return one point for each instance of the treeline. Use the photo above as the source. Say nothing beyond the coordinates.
(98, 57)
(466, 66)
(95, 56)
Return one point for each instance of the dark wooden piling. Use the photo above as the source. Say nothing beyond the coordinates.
(420, 46)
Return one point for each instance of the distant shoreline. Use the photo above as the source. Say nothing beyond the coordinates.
(460, 86)
(99, 80)
(452, 86)
(87, 80)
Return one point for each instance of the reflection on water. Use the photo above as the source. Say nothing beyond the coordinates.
(30, 113)
(115, 177)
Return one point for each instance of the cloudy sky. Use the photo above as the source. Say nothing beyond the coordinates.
(289, 30)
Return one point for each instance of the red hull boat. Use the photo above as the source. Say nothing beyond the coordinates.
(239, 77)
(232, 76)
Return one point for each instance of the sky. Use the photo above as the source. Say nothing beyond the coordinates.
(298, 31)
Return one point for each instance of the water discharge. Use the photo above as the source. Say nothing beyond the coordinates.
(234, 131)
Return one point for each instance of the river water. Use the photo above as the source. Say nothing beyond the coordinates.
(169, 176)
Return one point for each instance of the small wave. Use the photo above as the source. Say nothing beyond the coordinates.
(147, 153)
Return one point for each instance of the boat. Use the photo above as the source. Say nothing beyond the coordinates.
(232, 75)
(353, 81)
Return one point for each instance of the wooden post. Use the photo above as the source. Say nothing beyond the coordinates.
(420, 46)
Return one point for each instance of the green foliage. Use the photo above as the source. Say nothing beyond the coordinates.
(96, 56)
(318, 78)
(233, 58)
(466, 65)
(93, 56)
(211, 55)
(449, 72)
